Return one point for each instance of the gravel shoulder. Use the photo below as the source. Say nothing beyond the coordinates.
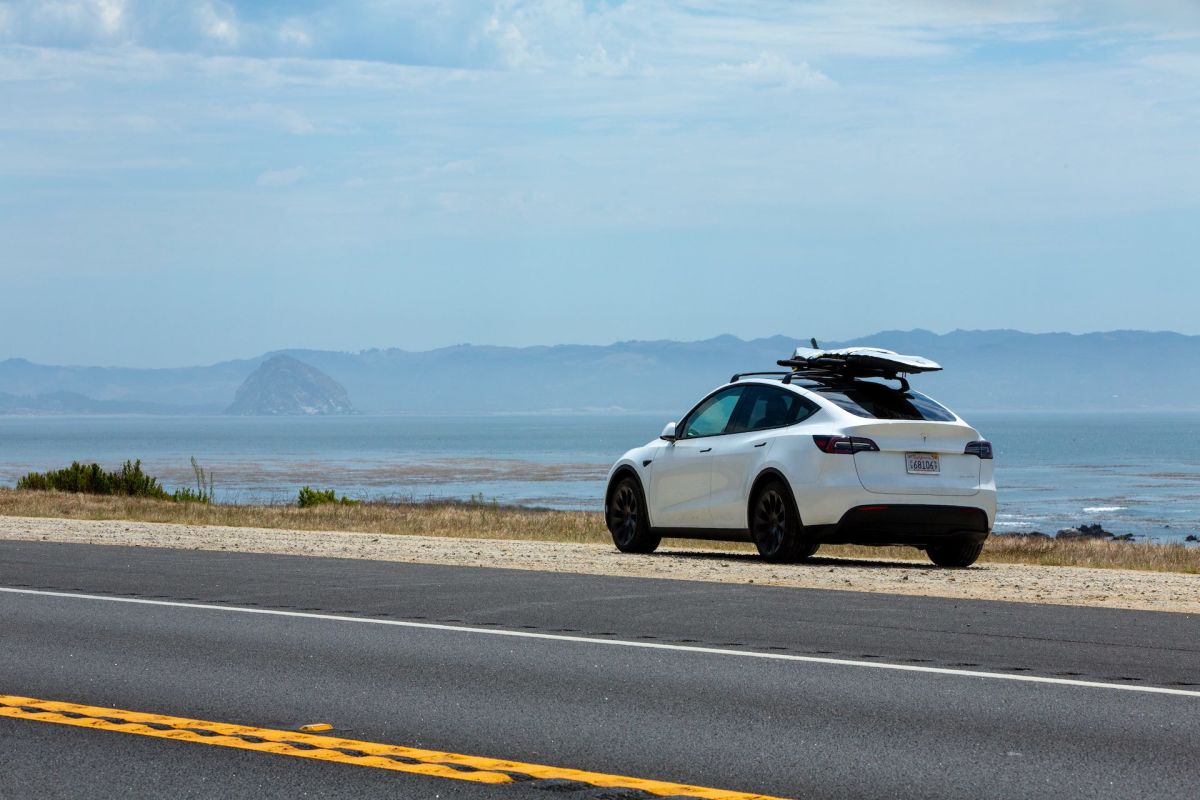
(1109, 588)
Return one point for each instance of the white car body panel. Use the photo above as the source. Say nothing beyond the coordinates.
(736, 458)
(680, 474)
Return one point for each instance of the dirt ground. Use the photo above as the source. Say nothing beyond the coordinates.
(1111, 588)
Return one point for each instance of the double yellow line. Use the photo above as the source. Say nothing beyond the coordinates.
(343, 751)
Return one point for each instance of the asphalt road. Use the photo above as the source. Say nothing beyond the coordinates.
(594, 688)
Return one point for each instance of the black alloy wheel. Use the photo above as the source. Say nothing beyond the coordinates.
(627, 520)
(775, 526)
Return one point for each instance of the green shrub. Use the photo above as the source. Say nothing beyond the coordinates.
(185, 495)
(34, 482)
(131, 481)
(309, 497)
(93, 479)
(203, 492)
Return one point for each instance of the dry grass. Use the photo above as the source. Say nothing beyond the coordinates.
(487, 521)
(457, 520)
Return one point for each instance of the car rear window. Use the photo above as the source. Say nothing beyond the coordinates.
(876, 401)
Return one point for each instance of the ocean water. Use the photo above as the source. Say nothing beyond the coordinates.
(1133, 473)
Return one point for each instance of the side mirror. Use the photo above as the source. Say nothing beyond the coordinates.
(668, 433)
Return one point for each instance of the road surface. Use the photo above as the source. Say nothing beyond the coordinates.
(745, 689)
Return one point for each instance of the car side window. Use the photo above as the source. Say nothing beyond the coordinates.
(711, 417)
(765, 407)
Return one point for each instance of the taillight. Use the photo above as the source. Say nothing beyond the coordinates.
(981, 448)
(845, 445)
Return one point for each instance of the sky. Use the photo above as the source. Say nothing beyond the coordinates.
(186, 182)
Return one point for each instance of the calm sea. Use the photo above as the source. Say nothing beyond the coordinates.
(1134, 473)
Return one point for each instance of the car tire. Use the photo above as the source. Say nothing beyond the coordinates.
(775, 526)
(627, 519)
(955, 555)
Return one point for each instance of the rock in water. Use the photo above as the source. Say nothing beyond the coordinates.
(283, 386)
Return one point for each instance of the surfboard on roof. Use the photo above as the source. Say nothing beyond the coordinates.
(860, 359)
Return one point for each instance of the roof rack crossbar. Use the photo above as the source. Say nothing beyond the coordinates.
(740, 375)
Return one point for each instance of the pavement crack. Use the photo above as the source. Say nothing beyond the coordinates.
(458, 767)
(349, 751)
(560, 785)
(197, 731)
(403, 759)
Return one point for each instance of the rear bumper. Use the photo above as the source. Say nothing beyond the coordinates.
(905, 524)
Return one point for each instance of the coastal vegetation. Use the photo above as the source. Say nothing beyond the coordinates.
(129, 480)
(309, 497)
(489, 520)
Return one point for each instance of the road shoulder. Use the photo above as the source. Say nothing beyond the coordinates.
(1101, 588)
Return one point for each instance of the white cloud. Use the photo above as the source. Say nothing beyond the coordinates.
(600, 62)
(111, 14)
(515, 51)
(639, 114)
(281, 177)
(218, 23)
(586, 38)
(294, 34)
(772, 70)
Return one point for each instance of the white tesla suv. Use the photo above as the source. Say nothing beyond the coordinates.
(827, 452)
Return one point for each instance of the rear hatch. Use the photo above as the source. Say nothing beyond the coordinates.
(918, 458)
(921, 443)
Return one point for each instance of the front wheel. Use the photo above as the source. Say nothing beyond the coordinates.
(955, 555)
(775, 526)
(627, 519)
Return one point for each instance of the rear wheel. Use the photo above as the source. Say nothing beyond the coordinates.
(775, 526)
(627, 519)
(955, 555)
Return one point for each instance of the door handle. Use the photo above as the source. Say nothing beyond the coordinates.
(706, 450)
(761, 444)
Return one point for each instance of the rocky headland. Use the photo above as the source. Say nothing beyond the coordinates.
(285, 386)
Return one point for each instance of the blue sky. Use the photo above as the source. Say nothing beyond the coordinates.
(183, 182)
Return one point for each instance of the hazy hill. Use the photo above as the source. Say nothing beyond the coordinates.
(74, 403)
(985, 370)
(283, 386)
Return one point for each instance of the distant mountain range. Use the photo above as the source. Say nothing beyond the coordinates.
(985, 370)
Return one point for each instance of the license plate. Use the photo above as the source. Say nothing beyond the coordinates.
(922, 463)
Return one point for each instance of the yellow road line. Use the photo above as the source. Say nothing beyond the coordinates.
(327, 748)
